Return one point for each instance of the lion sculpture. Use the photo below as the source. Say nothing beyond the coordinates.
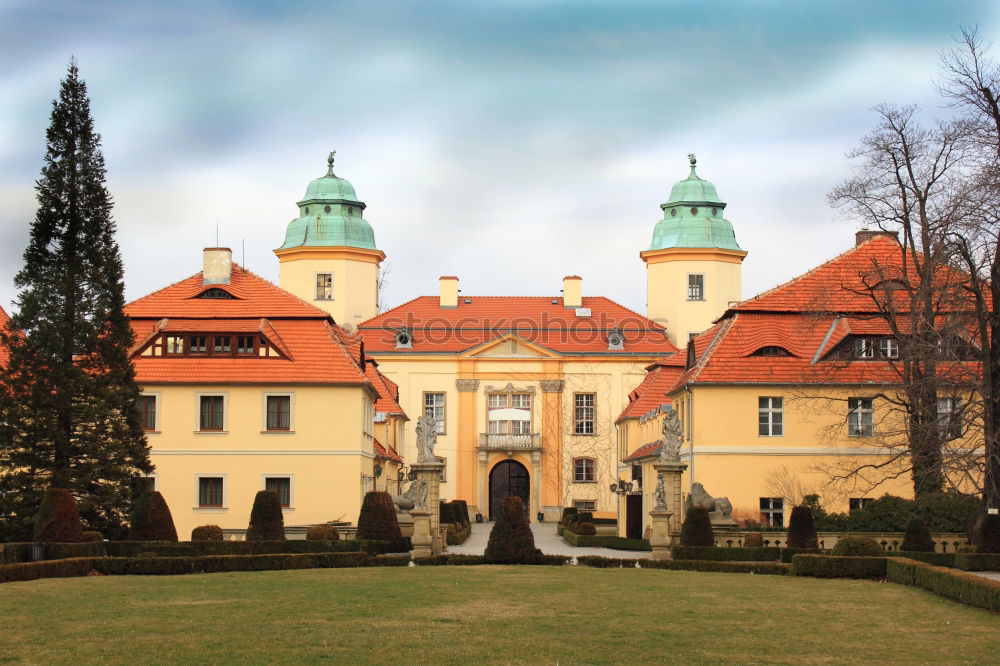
(717, 506)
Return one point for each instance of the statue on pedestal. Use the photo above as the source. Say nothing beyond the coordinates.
(426, 439)
(672, 435)
(659, 495)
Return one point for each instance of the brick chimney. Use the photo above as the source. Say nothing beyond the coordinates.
(218, 265)
(866, 235)
(449, 291)
(572, 291)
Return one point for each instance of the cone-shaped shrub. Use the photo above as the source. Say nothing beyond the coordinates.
(322, 533)
(989, 535)
(151, 519)
(511, 540)
(918, 537)
(266, 522)
(801, 530)
(696, 529)
(207, 533)
(753, 540)
(377, 521)
(58, 520)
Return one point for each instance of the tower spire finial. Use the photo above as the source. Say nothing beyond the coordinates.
(329, 163)
(693, 161)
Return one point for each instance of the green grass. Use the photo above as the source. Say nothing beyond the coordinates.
(442, 615)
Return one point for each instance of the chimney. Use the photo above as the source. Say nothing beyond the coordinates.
(866, 235)
(218, 265)
(572, 291)
(449, 291)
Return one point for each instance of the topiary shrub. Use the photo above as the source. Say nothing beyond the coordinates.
(377, 520)
(322, 533)
(989, 535)
(92, 536)
(266, 521)
(918, 537)
(801, 531)
(568, 513)
(511, 540)
(151, 519)
(753, 540)
(207, 533)
(583, 517)
(696, 530)
(854, 546)
(585, 529)
(462, 507)
(58, 520)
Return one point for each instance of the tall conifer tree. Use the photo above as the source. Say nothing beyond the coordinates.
(69, 399)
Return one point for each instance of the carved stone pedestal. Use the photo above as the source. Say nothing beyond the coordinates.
(421, 539)
(659, 537)
(431, 473)
(671, 472)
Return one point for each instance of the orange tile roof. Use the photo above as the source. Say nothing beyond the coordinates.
(316, 350)
(645, 451)
(388, 392)
(652, 392)
(388, 453)
(542, 321)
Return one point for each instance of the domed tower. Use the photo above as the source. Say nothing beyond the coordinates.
(329, 257)
(693, 264)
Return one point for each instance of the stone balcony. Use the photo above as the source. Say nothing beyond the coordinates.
(508, 442)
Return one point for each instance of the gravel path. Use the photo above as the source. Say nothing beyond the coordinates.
(546, 539)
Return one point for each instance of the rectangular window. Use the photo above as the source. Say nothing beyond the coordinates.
(520, 427)
(282, 485)
(324, 286)
(888, 348)
(769, 417)
(696, 287)
(859, 417)
(521, 401)
(434, 407)
(583, 414)
(497, 400)
(211, 412)
(222, 344)
(174, 344)
(949, 418)
(199, 344)
(864, 348)
(279, 412)
(147, 410)
(772, 511)
(244, 344)
(210, 491)
(857, 503)
(583, 470)
(585, 505)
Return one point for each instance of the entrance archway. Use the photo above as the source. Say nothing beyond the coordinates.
(508, 478)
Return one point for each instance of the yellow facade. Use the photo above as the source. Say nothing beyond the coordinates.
(324, 453)
(354, 273)
(670, 297)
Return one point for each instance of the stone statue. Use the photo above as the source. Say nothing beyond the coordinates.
(717, 506)
(426, 439)
(415, 496)
(672, 433)
(660, 495)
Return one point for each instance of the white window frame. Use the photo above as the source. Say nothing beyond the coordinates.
(316, 286)
(577, 503)
(593, 470)
(864, 347)
(888, 348)
(197, 492)
(700, 294)
(291, 412)
(949, 423)
(580, 411)
(156, 417)
(860, 415)
(291, 488)
(774, 506)
(766, 413)
(225, 412)
(435, 409)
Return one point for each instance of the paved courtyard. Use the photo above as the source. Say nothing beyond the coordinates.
(546, 539)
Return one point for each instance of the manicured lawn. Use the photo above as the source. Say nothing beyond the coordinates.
(442, 615)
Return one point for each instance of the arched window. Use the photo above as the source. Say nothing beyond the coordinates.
(583, 470)
(215, 292)
(771, 350)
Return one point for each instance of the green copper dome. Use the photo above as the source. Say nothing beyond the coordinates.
(692, 217)
(330, 215)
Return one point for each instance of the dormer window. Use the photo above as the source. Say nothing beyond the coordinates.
(616, 341)
(403, 339)
(771, 350)
(221, 344)
(215, 292)
(888, 348)
(864, 348)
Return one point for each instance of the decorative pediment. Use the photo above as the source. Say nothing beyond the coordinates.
(510, 388)
(510, 345)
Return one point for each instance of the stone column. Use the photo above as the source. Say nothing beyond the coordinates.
(431, 473)
(536, 482)
(659, 536)
(484, 484)
(672, 485)
(421, 539)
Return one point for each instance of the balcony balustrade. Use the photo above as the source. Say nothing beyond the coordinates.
(507, 441)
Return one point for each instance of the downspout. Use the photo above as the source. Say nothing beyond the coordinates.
(690, 426)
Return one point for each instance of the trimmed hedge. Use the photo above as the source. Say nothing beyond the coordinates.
(977, 561)
(770, 568)
(603, 541)
(200, 548)
(829, 566)
(696, 530)
(460, 536)
(377, 520)
(58, 519)
(965, 588)
(266, 521)
(207, 533)
(322, 533)
(788, 553)
(585, 529)
(54, 569)
(511, 540)
(854, 546)
(918, 537)
(168, 566)
(151, 519)
(937, 559)
(801, 531)
(714, 554)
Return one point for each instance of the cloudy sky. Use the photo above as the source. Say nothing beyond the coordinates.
(509, 143)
